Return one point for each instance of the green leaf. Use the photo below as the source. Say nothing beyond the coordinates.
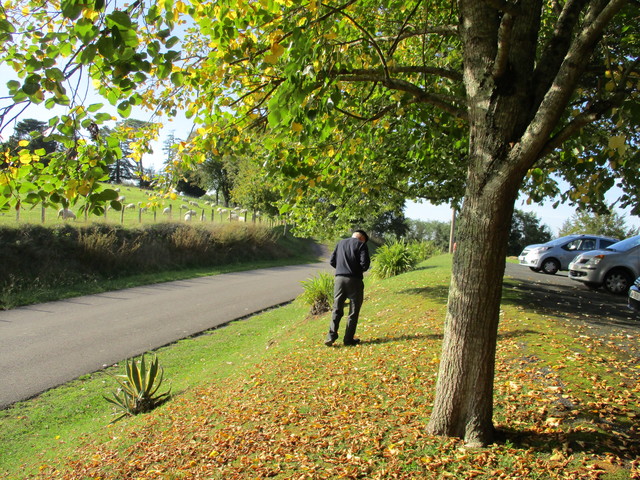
(94, 107)
(72, 8)
(31, 88)
(124, 109)
(177, 78)
(120, 19)
(6, 26)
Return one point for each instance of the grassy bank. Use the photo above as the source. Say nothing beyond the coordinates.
(48, 263)
(264, 397)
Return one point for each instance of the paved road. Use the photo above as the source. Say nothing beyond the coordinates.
(46, 345)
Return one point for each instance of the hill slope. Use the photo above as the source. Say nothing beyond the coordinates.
(277, 403)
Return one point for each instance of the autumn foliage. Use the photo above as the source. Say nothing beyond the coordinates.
(566, 401)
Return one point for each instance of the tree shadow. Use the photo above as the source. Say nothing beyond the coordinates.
(401, 338)
(618, 439)
(439, 293)
(595, 307)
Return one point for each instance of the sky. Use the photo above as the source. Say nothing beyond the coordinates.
(553, 218)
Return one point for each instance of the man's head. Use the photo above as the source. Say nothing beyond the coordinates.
(361, 235)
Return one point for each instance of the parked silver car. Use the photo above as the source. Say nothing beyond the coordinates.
(557, 254)
(614, 268)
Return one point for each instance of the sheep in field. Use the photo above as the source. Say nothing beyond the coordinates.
(166, 211)
(187, 217)
(66, 214)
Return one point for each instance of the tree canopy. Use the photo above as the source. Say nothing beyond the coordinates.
(612, 225)
(361, 104)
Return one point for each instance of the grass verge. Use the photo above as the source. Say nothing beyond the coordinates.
(264, 398)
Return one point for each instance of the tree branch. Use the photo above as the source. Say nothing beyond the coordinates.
(395, 43)
(446, 103)
(504, 41)
(369, 37)
(556, 48)
(441, 72)
(558, 94)
(504, 6)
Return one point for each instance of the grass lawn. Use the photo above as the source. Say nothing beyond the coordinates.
(263, 397)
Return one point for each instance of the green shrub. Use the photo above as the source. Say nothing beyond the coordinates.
(138, 388)
(423, 250)
(393, 259)
(318, 292)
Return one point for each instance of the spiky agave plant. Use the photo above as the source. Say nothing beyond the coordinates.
(138, 387)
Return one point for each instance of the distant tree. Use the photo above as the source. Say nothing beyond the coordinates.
(191, 183)
(252, 187)
(134, 136)
(389, 224)
(33, 131)
(432, 230)
(218, 173)
(526, 229)
(611, 225)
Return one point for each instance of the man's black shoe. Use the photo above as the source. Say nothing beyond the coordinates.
(355, 341)
(329, 341)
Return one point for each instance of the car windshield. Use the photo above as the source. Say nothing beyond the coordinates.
(559, 241)
(625, 245)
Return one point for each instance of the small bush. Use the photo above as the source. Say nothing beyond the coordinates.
(423, 250)
(393, 259)
(138, 388)
(318, 292)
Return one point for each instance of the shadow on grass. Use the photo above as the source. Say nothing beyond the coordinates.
(619, 440)
(595, 307)
(400, 338)
(439, 293)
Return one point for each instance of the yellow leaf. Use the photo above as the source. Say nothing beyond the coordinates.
(277, 50)
(618, 143)
(23, 143)
(296, 127)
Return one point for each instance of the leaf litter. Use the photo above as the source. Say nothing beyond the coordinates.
(566, 407)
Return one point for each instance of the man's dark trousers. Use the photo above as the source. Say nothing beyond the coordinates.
(351, 288)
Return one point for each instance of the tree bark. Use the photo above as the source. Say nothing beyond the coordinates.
(498, 100)
(464, 391)
(510, 123)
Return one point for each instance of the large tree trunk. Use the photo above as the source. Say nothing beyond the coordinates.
(498, 92)
(464, 392)
(510, 125)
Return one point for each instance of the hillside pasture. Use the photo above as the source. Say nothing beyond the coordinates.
(140, 207)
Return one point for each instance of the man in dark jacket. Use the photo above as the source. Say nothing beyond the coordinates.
(350, 259)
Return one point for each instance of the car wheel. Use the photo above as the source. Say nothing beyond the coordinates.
(617, 281)
(534, 269)
(550, 266)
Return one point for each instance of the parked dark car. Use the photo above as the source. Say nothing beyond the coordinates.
(634, 296)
